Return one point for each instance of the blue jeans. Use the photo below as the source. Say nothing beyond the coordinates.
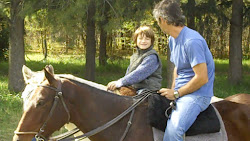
(188, 108)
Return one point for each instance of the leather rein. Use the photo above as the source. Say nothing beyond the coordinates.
(138, 99)
(59, 95)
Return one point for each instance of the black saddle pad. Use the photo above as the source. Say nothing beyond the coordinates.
(206, 122)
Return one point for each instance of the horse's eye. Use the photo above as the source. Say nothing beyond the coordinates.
(39, 103)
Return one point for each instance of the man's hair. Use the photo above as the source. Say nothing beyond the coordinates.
(147, 31)
(170, 11)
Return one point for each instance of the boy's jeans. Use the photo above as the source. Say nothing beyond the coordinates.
(188, 108)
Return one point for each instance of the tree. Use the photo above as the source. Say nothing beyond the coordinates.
(190, 8)
(90, 43)
(103, 47)
(235, 43)
(103, 34)
(16, 50)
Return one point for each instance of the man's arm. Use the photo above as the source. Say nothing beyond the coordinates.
(174, 77)
(200, 78)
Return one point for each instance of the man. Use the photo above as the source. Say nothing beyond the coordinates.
(193, 74)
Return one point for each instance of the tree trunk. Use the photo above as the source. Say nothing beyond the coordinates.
(191, 14)
(44, 45)
(103, 38)
(16, 50)
(235, 43)
(102, 49)
(67, 44)
(45, 49)
(90, 43)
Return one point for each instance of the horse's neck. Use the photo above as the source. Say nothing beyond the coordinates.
(92, 107)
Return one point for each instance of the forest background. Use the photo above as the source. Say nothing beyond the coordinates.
(92, 39)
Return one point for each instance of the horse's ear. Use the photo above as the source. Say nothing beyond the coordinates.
(27, 74)
(50, 68)
(50, 77)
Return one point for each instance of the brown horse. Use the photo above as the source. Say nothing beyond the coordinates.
(235, 112)
(90, 108)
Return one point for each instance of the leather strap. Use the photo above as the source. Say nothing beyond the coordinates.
(113, 121)
(128, 125)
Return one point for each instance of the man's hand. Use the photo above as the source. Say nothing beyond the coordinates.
(168, 93)
(111, 86)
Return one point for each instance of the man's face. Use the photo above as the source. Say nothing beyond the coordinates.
(163, 25)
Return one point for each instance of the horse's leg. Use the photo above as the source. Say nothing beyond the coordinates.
(71, 126)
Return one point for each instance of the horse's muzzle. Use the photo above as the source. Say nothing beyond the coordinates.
(15, 138)
(22, 137)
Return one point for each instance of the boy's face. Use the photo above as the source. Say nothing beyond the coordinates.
(143, 42)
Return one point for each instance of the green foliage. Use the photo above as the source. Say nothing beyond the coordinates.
(64, 21)
(68, 30)
(212, 20)
(71, 22)
(4, 8)
(4, 40)
(131, 11)
(4, 30)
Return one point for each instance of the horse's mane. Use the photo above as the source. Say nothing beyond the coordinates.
(82, 81)
(99, 88)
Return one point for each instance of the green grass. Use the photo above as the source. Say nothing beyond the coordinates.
(10, 110)
(222, 87)
(11, 103)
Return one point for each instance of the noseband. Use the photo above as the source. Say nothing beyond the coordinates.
(59, 95)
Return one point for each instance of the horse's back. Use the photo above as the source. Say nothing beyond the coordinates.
(235, 112)
(240, 98)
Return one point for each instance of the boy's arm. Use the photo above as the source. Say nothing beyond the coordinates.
(148, 66)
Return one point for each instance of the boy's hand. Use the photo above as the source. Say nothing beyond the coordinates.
(111, 86)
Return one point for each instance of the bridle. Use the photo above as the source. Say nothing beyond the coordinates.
(59, 95)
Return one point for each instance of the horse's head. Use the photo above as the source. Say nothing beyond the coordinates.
(44, 112)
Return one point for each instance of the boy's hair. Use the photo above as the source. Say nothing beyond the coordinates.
(147, 31)
(170, 11)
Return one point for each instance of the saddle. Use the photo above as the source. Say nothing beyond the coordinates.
(206, 122)
(127, 91)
